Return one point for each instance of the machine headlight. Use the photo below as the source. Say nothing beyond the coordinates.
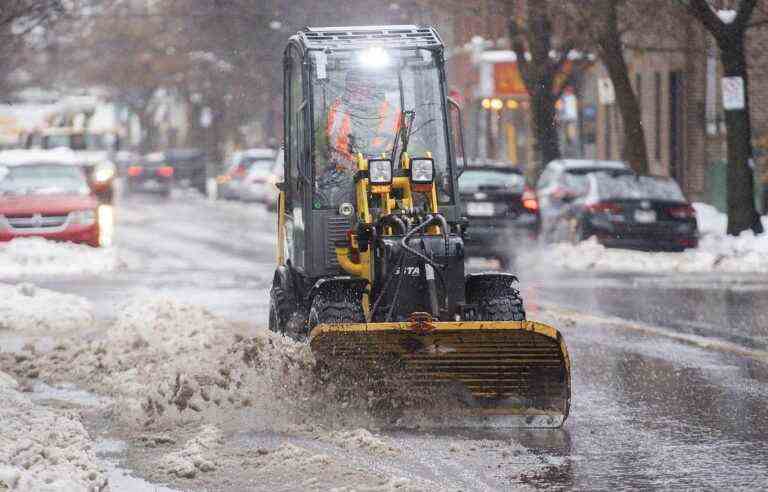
(82, 217)
(422, 170)
(380, 171)
(106, 225)
(104, 172)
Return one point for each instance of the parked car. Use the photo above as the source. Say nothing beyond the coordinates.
(151, 174)
(46, 194)
(258, 185)
(627, 211)
(563, 180)
(229, 183)
(191, 167)
(502, 211)
(278, 175)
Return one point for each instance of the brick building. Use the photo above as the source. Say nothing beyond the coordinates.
(678, 84)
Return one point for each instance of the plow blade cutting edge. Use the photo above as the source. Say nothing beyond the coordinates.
(513, 373)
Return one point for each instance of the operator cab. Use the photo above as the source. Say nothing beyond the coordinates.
(371, 91)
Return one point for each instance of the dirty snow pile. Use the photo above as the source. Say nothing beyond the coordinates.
(37, 256)
(197, 455)
(26, 307)
(41, 450)
(716, 252)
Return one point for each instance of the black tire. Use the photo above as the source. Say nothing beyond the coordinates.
(282, 309)
(340, 309)
(496, 300)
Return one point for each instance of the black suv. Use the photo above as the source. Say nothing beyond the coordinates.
(502, 211)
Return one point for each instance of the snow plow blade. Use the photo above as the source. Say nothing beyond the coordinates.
(513, 373)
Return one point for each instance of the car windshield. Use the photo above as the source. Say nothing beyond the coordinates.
(260, 170)
(42, 179)
(643, 187)
(479, 179)
(361, 100)
(248, 162)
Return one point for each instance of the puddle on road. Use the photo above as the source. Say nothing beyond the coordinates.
(66, 392)
(108, 451)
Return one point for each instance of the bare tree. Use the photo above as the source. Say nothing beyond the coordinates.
(729, 27)
(18, 18)
(604, 23)
(532, 39)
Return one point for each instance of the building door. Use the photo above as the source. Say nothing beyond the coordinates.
(676, 136)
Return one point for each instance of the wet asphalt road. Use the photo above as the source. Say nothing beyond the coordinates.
(648, 411)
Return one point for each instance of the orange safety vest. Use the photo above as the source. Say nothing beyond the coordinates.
(339, 126)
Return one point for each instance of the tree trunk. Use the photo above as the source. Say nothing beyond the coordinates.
(148, 130)
(634, 149)
(742, 214)
(545, 125)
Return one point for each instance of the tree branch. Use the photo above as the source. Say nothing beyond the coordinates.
(746, 7)
(701, 10)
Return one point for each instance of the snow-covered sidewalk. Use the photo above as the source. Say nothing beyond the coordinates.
(717, 252)
(30, 309)
(36, 256)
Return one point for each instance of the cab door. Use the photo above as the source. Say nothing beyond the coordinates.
(295, 108)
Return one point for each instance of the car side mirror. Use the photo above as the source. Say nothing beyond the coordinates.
(280, 185)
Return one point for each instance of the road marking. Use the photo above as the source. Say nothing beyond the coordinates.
(636, 326)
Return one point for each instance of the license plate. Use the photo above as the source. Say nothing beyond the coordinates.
(480, 209)
(645, 216)
(151, 184)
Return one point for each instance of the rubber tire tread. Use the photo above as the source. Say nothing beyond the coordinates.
(495, 302)
(335, 311)
(281, 303)
(508, 308)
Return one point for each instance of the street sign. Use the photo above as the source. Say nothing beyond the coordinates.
(733, 93)
(605, 93)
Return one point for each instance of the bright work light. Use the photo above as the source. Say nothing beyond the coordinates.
(374, 57)
(380, 171)
(422, 170)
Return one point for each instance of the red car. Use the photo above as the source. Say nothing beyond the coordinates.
(50, 199)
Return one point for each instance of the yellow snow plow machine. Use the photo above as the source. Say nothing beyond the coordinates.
(370, 232)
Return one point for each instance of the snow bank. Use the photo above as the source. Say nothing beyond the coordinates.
(717, 252)
(37, 256)
(25, 307)
(291, 467)
(361, 439)
(197, 455)
(41, 450)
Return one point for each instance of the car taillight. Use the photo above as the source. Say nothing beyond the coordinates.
(135, 170)
(605, 207)
(165, 171)
(529, 200)
(682, 212)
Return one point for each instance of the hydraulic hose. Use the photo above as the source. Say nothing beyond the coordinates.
(404, 242)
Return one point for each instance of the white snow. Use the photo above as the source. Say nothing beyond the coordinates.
(36, 256)
(26, 307)
(197, 455)
(727, 15)
(717, 252)
(20, 157)
(42, 450)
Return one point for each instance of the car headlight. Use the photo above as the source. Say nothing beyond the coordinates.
(380, 171)
(106, 225)
(83, 217)
(422, 170)
(104, 172)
